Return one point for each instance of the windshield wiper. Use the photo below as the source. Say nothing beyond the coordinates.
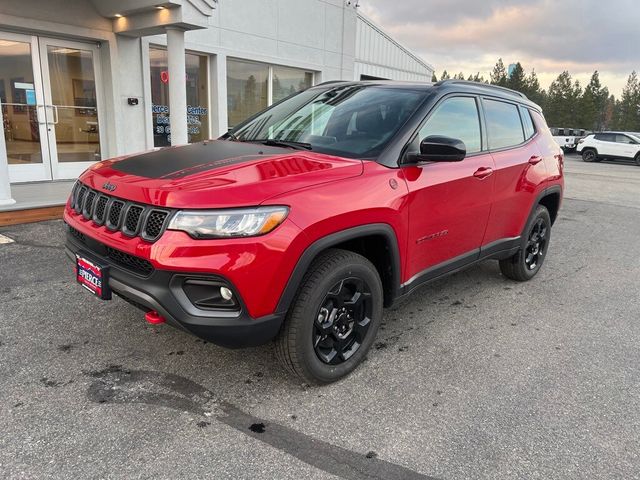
(286, 143)
(230, 136)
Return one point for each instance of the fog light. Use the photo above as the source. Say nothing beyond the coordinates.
(226, 293)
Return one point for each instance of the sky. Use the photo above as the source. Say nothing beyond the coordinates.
(551, 36)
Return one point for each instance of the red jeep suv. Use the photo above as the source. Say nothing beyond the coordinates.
(303, 222)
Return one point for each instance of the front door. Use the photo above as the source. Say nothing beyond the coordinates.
(50, 106)
(449, 202)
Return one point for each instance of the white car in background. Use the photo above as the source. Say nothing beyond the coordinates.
(567, 138)
(614, 145)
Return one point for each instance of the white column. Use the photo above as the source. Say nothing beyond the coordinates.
(219, 121)
(5, 186)
(177, 86)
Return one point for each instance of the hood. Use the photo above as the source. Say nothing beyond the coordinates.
(216, 174)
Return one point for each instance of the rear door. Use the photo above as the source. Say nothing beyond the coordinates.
(605, 143)
(520, 169)
(449, 202)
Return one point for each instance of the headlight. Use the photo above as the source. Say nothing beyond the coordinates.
(241, 222)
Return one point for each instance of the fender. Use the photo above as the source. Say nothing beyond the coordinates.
(544, 193)
(383, 229)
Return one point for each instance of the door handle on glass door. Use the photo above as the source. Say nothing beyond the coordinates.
(483, 172)
(44, 114)
(535, 160)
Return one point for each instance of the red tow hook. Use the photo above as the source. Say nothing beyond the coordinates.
(154, 318)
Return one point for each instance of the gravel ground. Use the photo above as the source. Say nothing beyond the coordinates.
(473, 376)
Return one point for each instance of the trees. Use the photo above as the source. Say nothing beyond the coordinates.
(499, 74)
(593, 103)
(517, 80)
(532, 89)
(565, 103)
(628, 109)
(563, 98)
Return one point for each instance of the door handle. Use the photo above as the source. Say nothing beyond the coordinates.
(535, 160)
(44, 114)
(483, 172)
(55, 114)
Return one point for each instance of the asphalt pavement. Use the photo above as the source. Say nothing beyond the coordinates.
(473, 376)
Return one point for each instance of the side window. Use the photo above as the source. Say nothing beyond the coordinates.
(606, 137)
(623, 139)
(527, 122)
(456, 118)
(503, 124)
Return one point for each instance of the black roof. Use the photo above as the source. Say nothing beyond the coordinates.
(446, 86)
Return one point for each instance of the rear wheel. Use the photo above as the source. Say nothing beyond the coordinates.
(334, 318)
(527, 261)
(589, 155)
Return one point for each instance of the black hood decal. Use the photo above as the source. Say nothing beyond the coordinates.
(177, 162)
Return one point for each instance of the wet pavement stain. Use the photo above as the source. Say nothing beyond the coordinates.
(257, 427)
(117, 385)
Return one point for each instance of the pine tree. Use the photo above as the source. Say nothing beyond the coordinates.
(479, 78)
(499, 74)
(445, 76)
(592, 104)
(532, 89)
(560, 98)
(609, 113)
(434, 79)
(574, 105)
(629, 106)
(517, 80)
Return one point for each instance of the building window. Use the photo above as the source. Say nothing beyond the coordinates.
(197, 85)
(287, 81)
(247, 89)
(252, 87)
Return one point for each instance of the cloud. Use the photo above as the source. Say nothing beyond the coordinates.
(469, 35)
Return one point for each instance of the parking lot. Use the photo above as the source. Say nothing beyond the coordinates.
(473, 376)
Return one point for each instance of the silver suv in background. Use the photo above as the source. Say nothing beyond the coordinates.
(610, 145)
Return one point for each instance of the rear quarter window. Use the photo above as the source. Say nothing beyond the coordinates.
(527, 123)
(504, 126)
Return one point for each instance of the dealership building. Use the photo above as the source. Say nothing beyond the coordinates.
(85, 80)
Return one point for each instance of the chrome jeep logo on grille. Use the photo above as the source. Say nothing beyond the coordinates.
(110, 187)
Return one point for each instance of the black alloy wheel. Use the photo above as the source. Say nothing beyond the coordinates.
(589, 156)
(333, 319)
(536, 244)
(343, 321)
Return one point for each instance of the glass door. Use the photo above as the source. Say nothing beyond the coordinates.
(24, 114)
(71, 77)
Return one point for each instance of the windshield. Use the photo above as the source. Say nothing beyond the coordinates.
(355, 121)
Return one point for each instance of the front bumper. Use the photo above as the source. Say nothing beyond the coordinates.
(160, 291)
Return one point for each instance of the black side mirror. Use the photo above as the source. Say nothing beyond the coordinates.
(437, 148)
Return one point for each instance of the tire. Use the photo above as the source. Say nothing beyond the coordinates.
(314, 342)
(637, 159)
(589, 155)
(526, 263)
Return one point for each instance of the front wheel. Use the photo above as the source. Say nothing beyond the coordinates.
(527, 261)
(637, 159)
(334, 318)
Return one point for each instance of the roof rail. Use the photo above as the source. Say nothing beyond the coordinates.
(485, 85)
(329, 82)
